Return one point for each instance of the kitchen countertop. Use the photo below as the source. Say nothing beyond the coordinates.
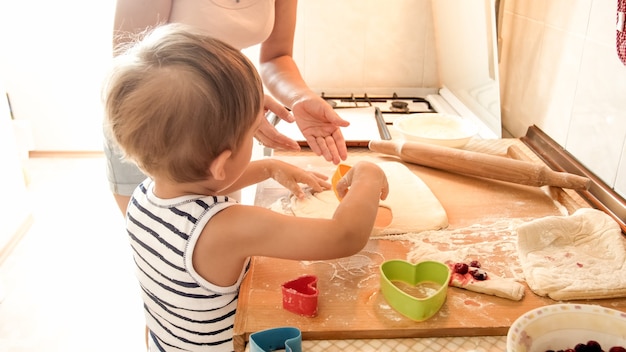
(468, 201)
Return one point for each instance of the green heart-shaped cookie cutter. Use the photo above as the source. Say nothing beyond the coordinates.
(416, 308)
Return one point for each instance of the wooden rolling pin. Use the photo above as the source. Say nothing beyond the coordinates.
(478, 164)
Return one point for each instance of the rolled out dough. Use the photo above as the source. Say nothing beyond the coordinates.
(581, 256)
(413, 205)
(496, 286)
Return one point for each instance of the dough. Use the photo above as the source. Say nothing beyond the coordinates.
(581, 256)
(494, 285)
(413, 206)
(493, 244)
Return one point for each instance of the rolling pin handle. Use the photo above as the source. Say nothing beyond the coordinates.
(470, 163)
(567, 180)
(385, 147)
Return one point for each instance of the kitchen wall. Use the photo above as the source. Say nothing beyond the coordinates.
(408, 47)
(365, 45)
(558, 66)
(54, 55)
(15, 208)
(53, 60)
(560, 71)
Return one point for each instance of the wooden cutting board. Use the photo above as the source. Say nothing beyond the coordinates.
(481, 213)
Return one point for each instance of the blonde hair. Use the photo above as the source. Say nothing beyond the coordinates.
(176, 99)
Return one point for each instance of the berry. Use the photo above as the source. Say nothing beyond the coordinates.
(590, 346)
(478, 274)
(593, 346)
(460, 268)
(475, 264)
(581, 347)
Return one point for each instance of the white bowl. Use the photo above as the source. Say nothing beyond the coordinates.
(435, 128)
(562, 326)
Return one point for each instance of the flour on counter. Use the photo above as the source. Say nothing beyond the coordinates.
(493, 244)
(551, 192)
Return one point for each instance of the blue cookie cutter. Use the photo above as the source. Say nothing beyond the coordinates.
(287, 338)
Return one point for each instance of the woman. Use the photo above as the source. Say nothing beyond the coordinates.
(240, 23)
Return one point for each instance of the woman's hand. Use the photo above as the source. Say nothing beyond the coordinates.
(268, 135)
(320, 125)
(316, 119)
(318, 122)
(291, 176)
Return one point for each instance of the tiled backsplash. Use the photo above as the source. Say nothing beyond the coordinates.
(560, 71)
(366, 45)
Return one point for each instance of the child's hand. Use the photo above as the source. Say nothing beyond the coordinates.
(367, 171)
(291, 176)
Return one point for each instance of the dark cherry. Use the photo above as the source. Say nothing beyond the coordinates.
(475, 264)
(581, 347)
(590, 346)
(460, 268)
(478, 274)
(593, 346)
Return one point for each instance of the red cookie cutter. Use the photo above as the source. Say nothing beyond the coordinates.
(300, 295)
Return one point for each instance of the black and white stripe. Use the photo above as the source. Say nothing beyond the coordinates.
(183, 311)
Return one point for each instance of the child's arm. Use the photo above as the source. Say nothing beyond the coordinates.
(240, 231)
(290, 176)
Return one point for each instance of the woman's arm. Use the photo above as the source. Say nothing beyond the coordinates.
(276, 56)
(316, 119)
(133, 16)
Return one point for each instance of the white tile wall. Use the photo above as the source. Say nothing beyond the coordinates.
(620, 182)
(598, 120)
(520, 47)
(366, 45)
(559, 71)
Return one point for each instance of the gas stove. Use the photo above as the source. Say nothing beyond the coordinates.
(394, 105)
(370, 115)
(389, 104)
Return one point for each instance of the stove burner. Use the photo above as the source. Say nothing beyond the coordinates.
(393, 104)
(399, 106)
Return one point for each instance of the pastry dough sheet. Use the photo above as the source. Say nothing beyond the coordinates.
(492, 244)
(413, 206)
(496, 286)
(581, 256)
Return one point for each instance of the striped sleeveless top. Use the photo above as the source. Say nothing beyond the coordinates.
(183, 311)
